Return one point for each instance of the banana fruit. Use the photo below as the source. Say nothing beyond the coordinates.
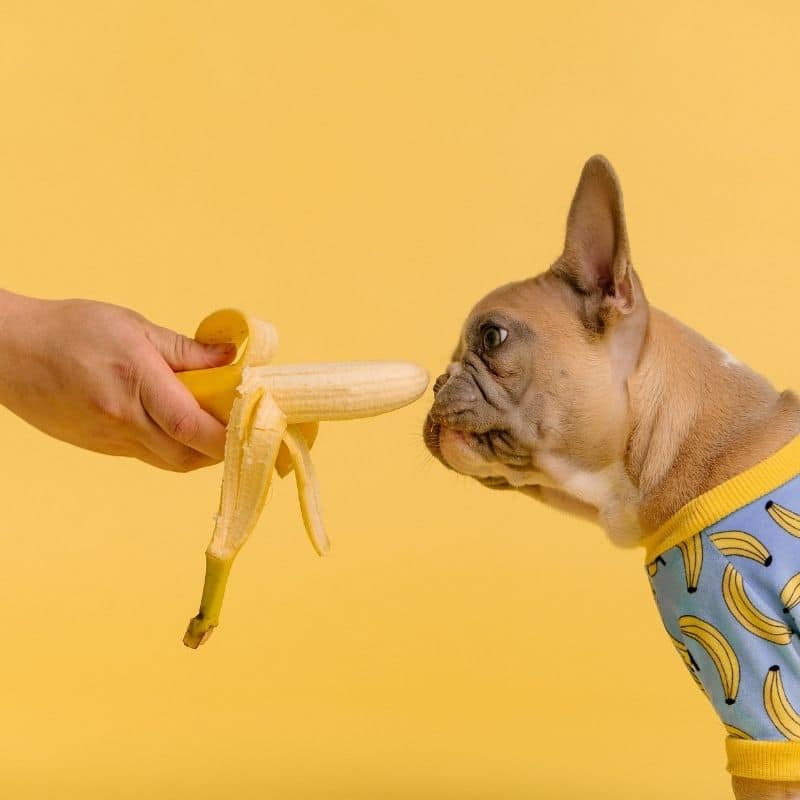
(718, 649)
(787, 519)
(742, 608)
(785, 718)
(273, 413)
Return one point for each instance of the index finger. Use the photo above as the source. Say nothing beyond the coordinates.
(173, 408)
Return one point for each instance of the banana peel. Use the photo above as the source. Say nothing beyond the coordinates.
(272, 414)
(215, 388)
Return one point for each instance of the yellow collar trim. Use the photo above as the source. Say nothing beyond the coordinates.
(727, 497)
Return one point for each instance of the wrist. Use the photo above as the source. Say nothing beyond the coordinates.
(16, 323)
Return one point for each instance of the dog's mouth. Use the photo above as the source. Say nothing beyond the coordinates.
(481, 455)
(430, 435)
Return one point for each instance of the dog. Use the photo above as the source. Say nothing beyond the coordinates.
(571, 388)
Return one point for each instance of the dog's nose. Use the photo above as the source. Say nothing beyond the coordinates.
(454, 395)
(454, 369)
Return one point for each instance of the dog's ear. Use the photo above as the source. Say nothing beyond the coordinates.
(596, 260)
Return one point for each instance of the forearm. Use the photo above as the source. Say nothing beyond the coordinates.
(9, 302)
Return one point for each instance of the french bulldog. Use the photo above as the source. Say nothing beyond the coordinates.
(571, 388)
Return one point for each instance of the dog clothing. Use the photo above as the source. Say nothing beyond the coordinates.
(725, 573)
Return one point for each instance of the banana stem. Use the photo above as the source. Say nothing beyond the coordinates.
(201, 626)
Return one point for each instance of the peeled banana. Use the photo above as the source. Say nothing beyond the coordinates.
(273, 413)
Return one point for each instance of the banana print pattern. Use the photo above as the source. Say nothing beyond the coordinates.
(729, 598)
(739, 543)
(687, 657)
(778, 707)
(692, 555)
(652, 567)
(790, 594)
(788, 520)
(740, 605)
(737, 733)
(691, 664)
(720, 651)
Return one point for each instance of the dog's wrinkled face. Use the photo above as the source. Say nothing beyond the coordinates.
(527, 379)
(536, 393)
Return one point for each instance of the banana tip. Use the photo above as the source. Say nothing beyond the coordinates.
(198, 631)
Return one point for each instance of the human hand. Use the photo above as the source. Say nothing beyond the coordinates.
(101, 377)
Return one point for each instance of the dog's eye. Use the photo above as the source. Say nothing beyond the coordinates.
(494, 336)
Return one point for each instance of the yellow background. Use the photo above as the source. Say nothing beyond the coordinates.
(360, 173)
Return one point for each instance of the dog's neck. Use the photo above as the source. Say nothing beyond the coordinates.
(699, 417)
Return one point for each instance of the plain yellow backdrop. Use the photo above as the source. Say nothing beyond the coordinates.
(360, 173)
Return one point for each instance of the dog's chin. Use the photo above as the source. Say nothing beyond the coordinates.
(459, 452)
(462, 451)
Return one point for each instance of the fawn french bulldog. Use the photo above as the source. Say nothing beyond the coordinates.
(572, 388)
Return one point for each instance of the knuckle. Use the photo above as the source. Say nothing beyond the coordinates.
(182, 347)
(108, 407)
(127, 373)
(184, 427)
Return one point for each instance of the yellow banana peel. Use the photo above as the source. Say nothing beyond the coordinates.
(272, 415)
(215, 389)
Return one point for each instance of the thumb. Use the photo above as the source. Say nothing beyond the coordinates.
(182, 353)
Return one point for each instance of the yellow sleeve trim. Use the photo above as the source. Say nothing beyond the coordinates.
(766, 761)
(727, 497)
